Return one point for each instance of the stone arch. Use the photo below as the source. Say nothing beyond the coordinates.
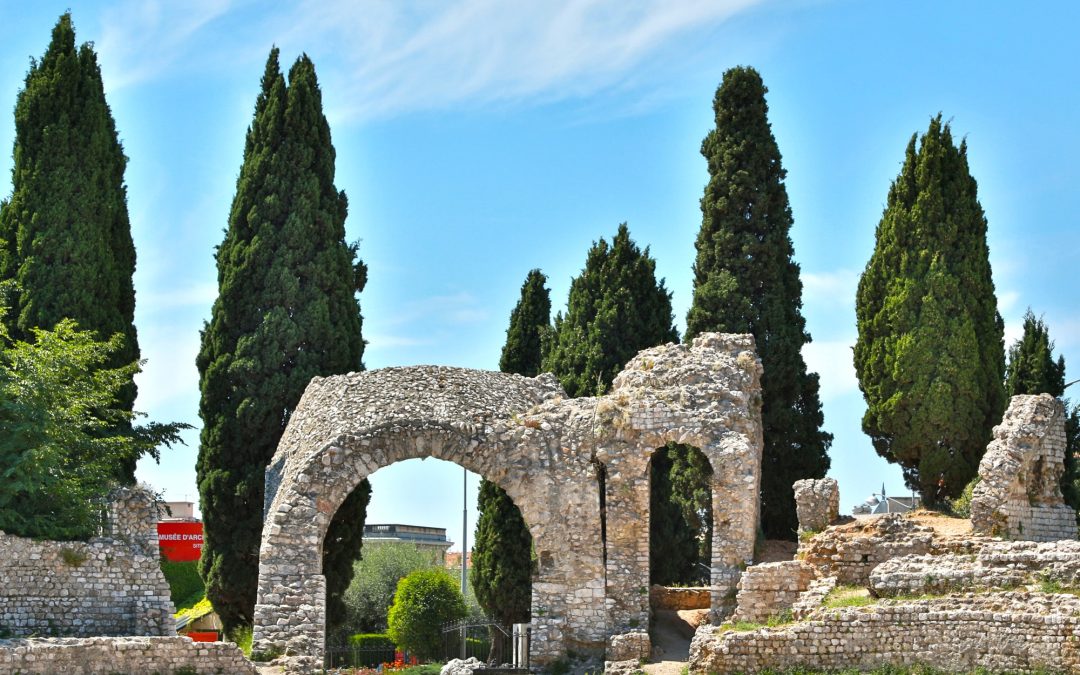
(559, 459)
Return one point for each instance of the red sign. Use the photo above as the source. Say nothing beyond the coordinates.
(180, 541)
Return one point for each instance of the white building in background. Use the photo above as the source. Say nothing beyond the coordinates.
(431, 538)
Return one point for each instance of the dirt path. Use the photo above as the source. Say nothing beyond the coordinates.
(672, 635)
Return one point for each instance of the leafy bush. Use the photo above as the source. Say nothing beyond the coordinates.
(424, 601)
(961, 506)
(185, 585)
(375, 578)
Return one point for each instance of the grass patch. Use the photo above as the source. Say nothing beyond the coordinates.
(782, 619)
(200, 608)
(242, 637)
(848, 596)
(425, 669)
(1055, 586)
(185, 585)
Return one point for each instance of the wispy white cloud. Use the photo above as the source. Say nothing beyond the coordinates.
(835, 288)
(455, 308)
(391, 57)
(144, 38)
(200, 294)
(832, 361)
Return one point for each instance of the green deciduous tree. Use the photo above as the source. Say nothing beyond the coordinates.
(929, 355)
(502, 553)
(286, 312)
(424, 601)
(616, 308)
(66, 239)
(58, 444)
(746, 281)
(375, 579)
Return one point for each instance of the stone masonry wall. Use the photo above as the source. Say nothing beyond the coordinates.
(1001, 632)
(1019, 495)
(558, 459)
(850, 552)
(770, 589)
(817, 503)
(121, 656)
(998, 564)
(106, 586)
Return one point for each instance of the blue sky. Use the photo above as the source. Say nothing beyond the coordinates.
(478, 139)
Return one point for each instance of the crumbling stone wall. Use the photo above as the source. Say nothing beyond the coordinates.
(107, 586)
(770, 589)
(850, 552)
(121, 656)
(552, 455)
(997, 565)
(1019, 494)
(1000, 632)
(676, 598)
(817, 503)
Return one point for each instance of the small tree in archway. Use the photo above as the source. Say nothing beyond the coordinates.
(424, 601)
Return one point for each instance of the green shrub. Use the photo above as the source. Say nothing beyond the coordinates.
(961, 506)
(424, 601)
(371, 641)
(185, 585)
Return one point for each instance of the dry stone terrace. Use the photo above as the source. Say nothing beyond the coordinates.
(559, 459)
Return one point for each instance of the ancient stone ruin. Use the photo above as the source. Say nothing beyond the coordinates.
(1019, 494)
(99, 606)
(577, 468)
(817, 503)
(910, 594)
(110, 585)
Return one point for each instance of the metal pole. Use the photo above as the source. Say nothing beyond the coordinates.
(464, 542)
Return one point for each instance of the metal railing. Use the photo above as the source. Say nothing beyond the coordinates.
(499, 646)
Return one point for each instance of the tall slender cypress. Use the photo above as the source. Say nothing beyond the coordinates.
(929, 356)
(66, 238)
(286, 312)
(616, 308)
(502, 552)
(747, 281)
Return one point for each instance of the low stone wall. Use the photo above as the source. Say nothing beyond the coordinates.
(107, 586)
(767, 590)
(628, 646)
(999, 564)
(1001, 632)
(850, 552)
(120, 656)
(674, 598)
(1019, 495)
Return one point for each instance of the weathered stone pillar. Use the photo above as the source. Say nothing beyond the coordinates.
(290, 617)
(817, 503)
(627, 546)
(736, 483)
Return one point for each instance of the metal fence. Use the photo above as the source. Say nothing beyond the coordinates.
(503, 647)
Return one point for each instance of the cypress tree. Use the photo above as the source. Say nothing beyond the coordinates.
(286, 312)
(746, 281)
(529, 319)
(502, 551)
(1031, 368)
(66, 236)
(616, 308)
(929, 355)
